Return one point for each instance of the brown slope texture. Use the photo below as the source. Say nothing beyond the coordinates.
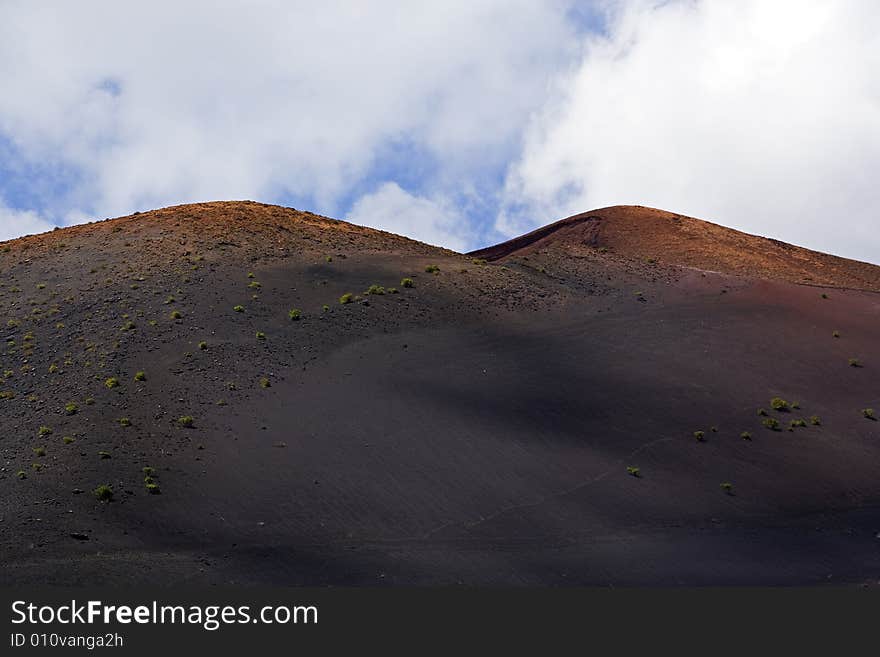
(527, 422)
(646, 233)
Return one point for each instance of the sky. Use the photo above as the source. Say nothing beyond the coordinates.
(460, 123)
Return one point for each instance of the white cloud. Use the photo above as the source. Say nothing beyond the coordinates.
(759, 115)
(167, 102)
(756, 114)
(15, 223)
(434, 221)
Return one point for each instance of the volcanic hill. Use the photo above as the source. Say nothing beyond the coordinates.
(233, 392)
(640, 232)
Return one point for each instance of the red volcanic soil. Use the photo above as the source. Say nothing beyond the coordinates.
(647, 233)
(473, 428)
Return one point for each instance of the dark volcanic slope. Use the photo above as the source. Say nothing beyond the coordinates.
(639, 232)
(473, 428)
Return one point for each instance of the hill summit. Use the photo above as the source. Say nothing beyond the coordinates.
(646, 233)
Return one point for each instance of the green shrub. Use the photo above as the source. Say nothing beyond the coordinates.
(21, 474)
(745, 435)
(71, 408)
(103, 455)
(854, 362)
(186, 421)
(432, 269)
(393, 290)
(796, 405)
(346, 298)
(128, 326)
(816, 421)
(44, 431)
(39, 452)
(407, 282)
(254, 285)
(762, 412)
(265, 383)
(836, 334)
(325, 308)
(203, 345)
(152, 488)
(634, 471)
(869, 413)
(375, 289)
(700, 435)
(294, 314)
(795, 424)
(771, 423)
(261, 335)
(67, 440)
(727, 487)
(140, 376)
(778, 404)
(239, 309)
(148, 471)
(104, 492)
(112, 382)
(175, 314)
(124, 422)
